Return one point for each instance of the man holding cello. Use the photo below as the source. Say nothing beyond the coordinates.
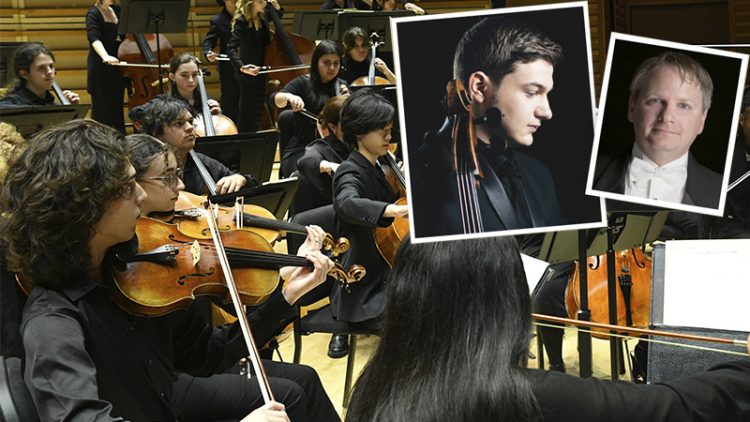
(86, 357)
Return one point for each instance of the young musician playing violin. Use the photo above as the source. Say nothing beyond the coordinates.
(34, 65)
(247, 49)
(86, 357)
(220, 32)
(169, 119)
(104, 83)
(184, 69)
(309, 92)
(356, 63)
(364, 200)
(467, 302)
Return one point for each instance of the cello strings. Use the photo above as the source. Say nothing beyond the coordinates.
(651, 340)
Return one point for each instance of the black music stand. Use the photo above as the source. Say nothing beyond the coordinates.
(244, 153)
(154, 16)
(7, 54)
(331, 24)
(29, 120)
(274, 196)
(624, 230)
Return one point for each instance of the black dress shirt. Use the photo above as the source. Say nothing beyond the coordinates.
(329, 149)
(88, 359)
(22, 97)
(192, 178)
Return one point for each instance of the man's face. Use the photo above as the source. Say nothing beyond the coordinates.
(522, 98)
(117, 225)
(667, 116)
(180, 133)
(376, 143)
(41, 73)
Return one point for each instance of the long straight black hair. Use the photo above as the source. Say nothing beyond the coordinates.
(456, 335)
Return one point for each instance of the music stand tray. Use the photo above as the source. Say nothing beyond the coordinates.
(32, 119)
(153, 16)
(244, 153)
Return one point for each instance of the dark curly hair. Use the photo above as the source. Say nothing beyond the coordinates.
(162, 110)
(496, 45)
(143, 151)
(54, 194)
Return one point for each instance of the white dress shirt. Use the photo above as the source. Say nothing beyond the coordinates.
(646, 179)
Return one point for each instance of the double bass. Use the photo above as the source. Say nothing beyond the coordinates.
(144, 80)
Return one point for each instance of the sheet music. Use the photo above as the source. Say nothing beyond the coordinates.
(707, 284)
(534, 269)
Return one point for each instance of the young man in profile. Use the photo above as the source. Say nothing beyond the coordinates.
(506, 69)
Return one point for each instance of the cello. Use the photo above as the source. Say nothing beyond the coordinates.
(371, 79)
(388, 239)
(211, 124)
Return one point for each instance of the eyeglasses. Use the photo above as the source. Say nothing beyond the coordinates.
(127, 190)
(169, 180)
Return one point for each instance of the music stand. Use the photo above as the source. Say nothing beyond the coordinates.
(154, 16)
(7, 54)
(331, 24)
(625, 230)
(29, 120)
(274, 196)
(318, 24)
(244, 153)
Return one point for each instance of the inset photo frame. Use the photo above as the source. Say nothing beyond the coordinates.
(667, 124)
(497, 121)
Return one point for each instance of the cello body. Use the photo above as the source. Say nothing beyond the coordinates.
(144, 82)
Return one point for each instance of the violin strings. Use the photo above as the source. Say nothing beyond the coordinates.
(651, 340)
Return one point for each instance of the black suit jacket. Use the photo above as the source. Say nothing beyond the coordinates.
(360, 197)
(703, 186)
(435, 192)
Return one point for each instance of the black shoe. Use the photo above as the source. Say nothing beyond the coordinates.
(559, 367)
(338, 347)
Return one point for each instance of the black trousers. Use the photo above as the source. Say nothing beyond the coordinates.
(230, 91)
(107, 108)
(252, 100)
(550, 300)
(231, 397)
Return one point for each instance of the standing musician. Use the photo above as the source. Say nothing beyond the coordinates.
(86, 357)
(184, 69)
(508, 67)
(309, 92)
(169, 119)
(220, 32)
(34, 65)
(356, 62)
(467, 302)
(104, 83)
(364, 200)
(247, 49)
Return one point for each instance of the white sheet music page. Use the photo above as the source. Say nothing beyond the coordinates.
(707, 284)
(534, 269)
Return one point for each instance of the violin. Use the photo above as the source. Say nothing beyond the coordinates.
(170, 268)
(633, 275)
(388, 239)
(142, 49)
(249, 217)
(209, 124)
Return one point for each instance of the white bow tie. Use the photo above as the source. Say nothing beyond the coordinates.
(643, 171)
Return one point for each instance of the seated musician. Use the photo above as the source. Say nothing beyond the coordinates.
(384, 5)
(34, 65)
(183, 77)
(467, 302)
(87, 358)
(363, 200)
(508, 67)
(356, 62)
(220, 32)
(169, 119)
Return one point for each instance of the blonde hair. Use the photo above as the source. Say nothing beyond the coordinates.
(11, 143)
